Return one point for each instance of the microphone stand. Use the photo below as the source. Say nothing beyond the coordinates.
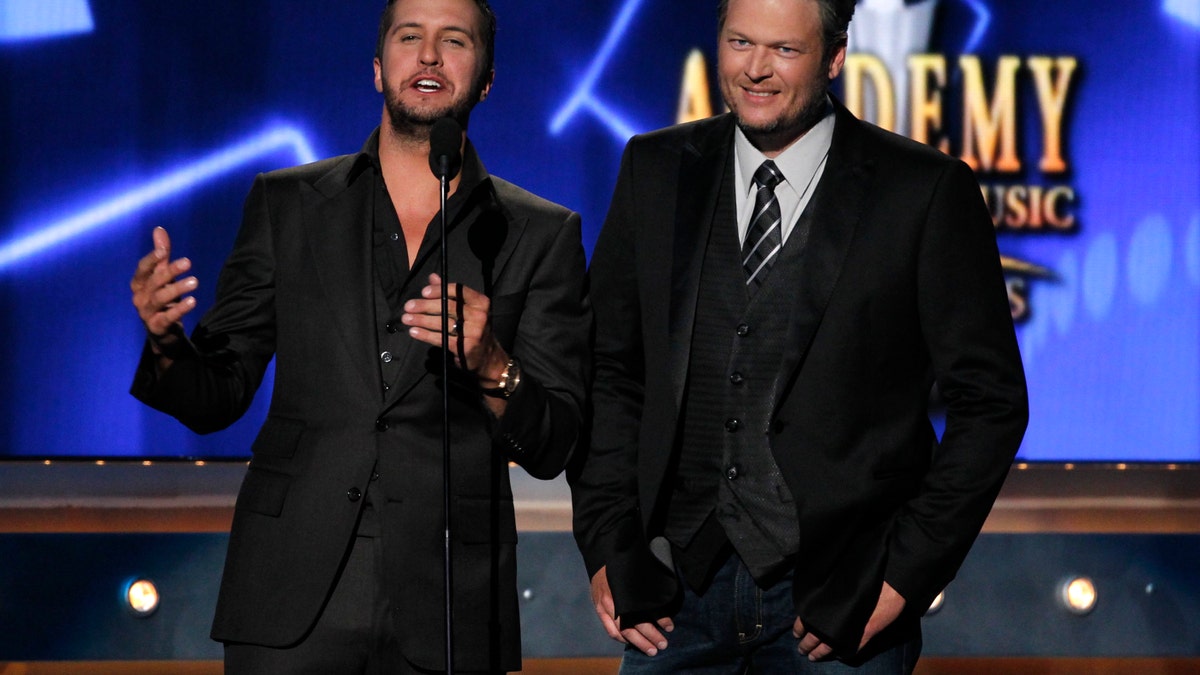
(443, 175)
(445, 143)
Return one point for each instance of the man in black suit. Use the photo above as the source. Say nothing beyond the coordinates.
(335, 555)
(776, 292)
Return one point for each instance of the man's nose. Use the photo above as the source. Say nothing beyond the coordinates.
(431, 54)
(759, 67)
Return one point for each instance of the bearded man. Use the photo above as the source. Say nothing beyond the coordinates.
(335, 560)
(776, 291)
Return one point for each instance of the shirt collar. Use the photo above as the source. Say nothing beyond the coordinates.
(796, 162)
(474, 174)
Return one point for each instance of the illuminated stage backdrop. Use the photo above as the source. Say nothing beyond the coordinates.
(1082, 119)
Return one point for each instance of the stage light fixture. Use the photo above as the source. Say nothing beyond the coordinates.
(1078, 595)
(937, 603)
(141, 596)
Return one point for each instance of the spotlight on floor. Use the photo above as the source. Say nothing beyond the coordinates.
(141, 596)
(1078, 595)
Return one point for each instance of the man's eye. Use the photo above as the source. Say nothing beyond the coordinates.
(740, 44)
(456, 42)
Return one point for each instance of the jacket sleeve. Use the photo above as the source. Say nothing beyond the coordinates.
(607, 519)
(542, 425)
(966, 322)
(212, 383)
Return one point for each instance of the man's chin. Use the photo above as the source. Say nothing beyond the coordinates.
(418, 121)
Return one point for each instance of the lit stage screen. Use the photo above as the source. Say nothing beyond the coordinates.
(1081, 118)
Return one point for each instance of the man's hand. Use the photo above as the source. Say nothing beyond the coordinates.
(157, 293)
(886, 611)
(471, 341)
(648, 637)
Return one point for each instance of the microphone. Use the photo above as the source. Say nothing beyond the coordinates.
(445, 148)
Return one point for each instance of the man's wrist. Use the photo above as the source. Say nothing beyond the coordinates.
(507, 381)
(171, 345)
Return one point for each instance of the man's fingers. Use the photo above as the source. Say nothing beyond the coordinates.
(820, 652)
(610, 624)
(466, 294)
(145, 268)
(809, 643)
(646, 638)
(162, 242)
(160, 323)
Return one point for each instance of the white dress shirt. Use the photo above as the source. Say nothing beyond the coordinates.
(801, 164)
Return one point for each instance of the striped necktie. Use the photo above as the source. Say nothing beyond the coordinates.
(764, 237)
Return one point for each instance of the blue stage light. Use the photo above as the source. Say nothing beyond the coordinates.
(110, 212)
(983, 19)
(36, 19)
(1187, 11)
(584, 96)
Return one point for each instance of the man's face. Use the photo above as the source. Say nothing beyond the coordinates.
(771, 70)
(432, 61)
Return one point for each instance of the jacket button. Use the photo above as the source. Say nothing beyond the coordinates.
(743, 330)
(732, 424)
(381, 425)
(354, 494)
(737, 379)
(391, 327)
(732, 472)
(386, 357)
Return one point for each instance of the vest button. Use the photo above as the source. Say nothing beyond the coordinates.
(732, 424)
(354, 494)
(737, 378)
(732, 472)
(381, 425)
(386, 357)
(743, 330)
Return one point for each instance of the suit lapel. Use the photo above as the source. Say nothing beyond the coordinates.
(341, 248)
(701, 172)
(836, 208)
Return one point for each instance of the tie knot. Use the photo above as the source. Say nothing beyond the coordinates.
(768, 175)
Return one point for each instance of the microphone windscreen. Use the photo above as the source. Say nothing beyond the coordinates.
(445, 147)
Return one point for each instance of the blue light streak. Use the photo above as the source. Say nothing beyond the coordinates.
(983, 19)
(1187, 11)
(33, 19)
(157, 190)
(584, 97)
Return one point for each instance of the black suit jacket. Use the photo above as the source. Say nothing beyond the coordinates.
(900, 288)
(298, 287)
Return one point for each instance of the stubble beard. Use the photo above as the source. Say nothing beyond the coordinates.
(415, 123)
(782, 131)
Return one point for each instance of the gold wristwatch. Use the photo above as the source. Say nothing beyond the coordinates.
(509, 379)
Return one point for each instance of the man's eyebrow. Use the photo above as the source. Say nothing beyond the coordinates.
(413, 24)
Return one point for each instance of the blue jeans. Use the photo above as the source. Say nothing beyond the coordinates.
(737, 627)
